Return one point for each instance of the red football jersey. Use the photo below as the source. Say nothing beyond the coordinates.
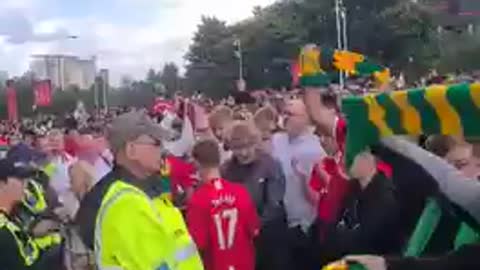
(223, 222)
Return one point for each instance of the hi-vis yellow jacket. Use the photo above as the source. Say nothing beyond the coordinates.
(131, 234)
(28, 249)
(176, 227)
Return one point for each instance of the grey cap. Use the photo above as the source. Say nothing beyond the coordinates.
(129, 126)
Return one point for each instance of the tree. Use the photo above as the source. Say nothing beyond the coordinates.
(126, 82)
(170, 78)
(153, 76)
(396, 33)
(211, 62)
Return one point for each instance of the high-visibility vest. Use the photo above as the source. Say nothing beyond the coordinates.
(33, 205)
(175, 225)
(130, 234)
(27, 247)
(50, 169)
(34, 198)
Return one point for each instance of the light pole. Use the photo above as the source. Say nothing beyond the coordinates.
(341, 23)
(237, 43)
(105, 78)
(95, 92)
(238, 53)
(103, 75)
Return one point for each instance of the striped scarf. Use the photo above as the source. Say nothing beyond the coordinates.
(438, 109)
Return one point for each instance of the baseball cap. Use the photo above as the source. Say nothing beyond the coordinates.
(129, 126)
(9, 168)
(26, 154)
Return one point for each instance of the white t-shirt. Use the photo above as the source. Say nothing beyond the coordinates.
(60, 182)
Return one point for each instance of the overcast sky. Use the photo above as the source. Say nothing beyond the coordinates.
(128, 36)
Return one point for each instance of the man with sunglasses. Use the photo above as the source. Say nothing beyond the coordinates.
(117, 218)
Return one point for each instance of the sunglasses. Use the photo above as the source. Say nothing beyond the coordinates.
(155, 143)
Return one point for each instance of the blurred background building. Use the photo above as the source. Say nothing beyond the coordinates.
(64, 70)
(3, 77)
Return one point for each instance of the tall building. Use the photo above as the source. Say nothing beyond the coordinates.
(64, 70)
(3, 77)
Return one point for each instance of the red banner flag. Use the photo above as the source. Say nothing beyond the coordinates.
(12, 102)
(161, 106)
(43, 93)
(295, 72)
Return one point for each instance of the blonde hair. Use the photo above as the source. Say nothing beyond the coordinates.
(440, 145)
(219, 116)
(265, 118)
(242, 132)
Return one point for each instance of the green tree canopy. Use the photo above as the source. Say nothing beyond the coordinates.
(396, 33)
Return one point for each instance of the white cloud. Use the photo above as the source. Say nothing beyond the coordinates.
(123, 48)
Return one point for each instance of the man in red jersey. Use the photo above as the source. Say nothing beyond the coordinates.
(324, 112)
(183, 179)
(221, 216)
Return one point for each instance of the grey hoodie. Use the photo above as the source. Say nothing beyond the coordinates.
(458, 188)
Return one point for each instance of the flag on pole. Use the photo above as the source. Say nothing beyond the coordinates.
(12, 107)
(43, 93)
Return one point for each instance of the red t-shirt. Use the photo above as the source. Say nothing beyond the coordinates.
(71, 146)
(332, 191)
(223, 222)
(181, 175)
(3, 141)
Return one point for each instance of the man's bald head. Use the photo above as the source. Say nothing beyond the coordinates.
(297, 117)
(297, 106)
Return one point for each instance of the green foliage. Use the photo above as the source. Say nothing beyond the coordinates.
(170, 80)
(396, 33)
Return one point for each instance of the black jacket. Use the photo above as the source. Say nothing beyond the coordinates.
(369, 223)
(264, 180)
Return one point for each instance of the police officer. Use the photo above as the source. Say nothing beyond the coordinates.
(117, 218)
(19, 249)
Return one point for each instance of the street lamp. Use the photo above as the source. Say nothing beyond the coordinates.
(238, 53)
(237, 43)
(342, 37)
(104, 79)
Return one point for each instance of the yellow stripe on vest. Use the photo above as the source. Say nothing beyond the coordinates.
(376, 115)
(411, 120)
(450, 123)
(48, 240)
(475, 93)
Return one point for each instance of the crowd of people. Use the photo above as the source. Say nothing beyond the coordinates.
(250, 183)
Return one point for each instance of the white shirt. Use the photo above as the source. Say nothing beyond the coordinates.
(305, 151)
(60, 182)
